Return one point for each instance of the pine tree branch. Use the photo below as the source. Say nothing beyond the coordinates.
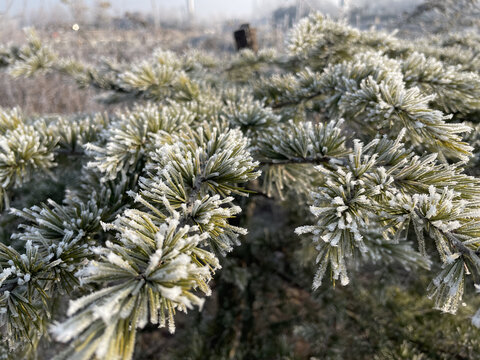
(455, 242)
(192, 197)
(459, 245)
(307, 160)
(283, 104)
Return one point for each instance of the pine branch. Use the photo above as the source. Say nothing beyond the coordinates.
(356, 124)
(307, 160)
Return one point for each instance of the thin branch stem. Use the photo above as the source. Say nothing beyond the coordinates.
(454, 241)
(295, 102)
(69, 152)
(197, 185)
(306, 160)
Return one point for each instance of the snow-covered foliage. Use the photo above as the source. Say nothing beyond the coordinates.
(371, 133)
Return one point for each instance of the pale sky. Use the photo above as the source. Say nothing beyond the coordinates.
(204, 9)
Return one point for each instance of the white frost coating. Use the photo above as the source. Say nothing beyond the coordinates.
(75, 305)
(117, 260)
(154, 260)
(110, 304)
(172, 293)
(4, 275)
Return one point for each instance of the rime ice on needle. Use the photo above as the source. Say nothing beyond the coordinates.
(364, 130)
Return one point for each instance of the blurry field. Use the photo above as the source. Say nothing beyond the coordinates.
(54, 93)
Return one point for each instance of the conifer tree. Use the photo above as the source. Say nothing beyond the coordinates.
(371, 139)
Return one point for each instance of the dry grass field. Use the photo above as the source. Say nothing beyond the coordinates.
(56, 94)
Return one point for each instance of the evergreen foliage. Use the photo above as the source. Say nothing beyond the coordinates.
(367, 143)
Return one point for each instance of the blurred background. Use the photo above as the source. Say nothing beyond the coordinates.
(128, 30)
(119, 13)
